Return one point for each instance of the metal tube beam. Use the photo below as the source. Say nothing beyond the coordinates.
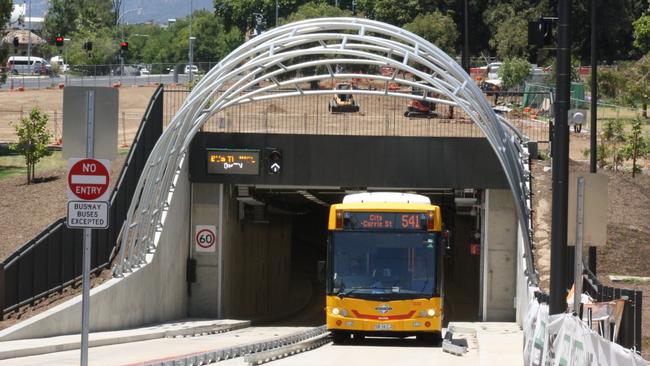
(593, 130)
(561, 164)
(278, 54)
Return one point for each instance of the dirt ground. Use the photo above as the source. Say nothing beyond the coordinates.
(15, 104)
(628, 227)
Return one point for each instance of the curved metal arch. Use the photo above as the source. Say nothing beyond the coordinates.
(279, 53)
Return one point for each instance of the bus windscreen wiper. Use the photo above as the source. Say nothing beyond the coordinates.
(350, 291)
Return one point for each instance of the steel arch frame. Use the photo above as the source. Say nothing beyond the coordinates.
(267, 58)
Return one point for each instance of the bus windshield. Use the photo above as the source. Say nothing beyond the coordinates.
(383, 265)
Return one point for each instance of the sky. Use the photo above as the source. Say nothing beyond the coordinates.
(158, 10)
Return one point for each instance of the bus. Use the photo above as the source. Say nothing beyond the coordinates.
(383, 273)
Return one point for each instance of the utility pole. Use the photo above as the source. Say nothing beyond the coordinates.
(466, 38)
(191, 55)
(594, 115)
(560, 185)
(29, 39)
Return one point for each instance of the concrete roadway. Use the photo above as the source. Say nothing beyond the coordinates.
(135, 353)
(489, 344)
(40, 82)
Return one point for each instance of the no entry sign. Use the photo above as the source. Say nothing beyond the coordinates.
(88, 179)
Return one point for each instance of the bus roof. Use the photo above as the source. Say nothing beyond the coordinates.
(386, 197)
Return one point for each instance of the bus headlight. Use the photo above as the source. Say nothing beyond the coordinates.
(335, 311)
(431, 312)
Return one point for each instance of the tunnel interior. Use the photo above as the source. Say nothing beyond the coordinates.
(289, 291)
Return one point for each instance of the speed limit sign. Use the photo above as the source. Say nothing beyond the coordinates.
(205, 238)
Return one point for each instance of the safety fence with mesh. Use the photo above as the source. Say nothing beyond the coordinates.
(377, 116)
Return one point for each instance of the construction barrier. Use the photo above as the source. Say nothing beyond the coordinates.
(564, 339)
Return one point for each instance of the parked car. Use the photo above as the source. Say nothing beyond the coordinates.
(193, 68)
(58, 60)
(25, 65)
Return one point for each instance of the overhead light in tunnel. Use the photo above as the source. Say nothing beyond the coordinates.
(465, 202)
(312, 198)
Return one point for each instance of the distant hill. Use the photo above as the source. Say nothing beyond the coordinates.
(157, 10)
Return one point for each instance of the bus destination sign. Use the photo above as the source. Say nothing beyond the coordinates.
(385, 221)
(233, 161)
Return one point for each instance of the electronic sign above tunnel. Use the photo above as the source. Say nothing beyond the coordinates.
(234, 161)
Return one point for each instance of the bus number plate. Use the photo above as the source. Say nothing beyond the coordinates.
(383, 326)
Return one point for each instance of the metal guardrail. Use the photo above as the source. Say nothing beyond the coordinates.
(630, 334)
(51, 261)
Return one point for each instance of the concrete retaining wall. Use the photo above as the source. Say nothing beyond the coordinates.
(499, 256)
(151, 294)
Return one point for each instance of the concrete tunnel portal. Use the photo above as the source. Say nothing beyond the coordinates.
(273, 227)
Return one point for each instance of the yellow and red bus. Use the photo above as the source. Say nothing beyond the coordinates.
(383, 267)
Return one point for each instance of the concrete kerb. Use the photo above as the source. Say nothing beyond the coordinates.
(39, 346)
(207, 357)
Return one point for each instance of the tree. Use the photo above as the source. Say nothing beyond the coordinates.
(511, 38)
(5, 12)
(239, 13)
(637, 146)
(610, 83)
(513, 72)
(68, 16)
(642, 33)
(612, 135)
(316, 10)
(33, 139)
(436, 28)
(637, 83)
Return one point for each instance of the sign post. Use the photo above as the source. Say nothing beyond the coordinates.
(85, 306)
(89, 130)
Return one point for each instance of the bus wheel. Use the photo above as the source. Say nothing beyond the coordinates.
(339, 337)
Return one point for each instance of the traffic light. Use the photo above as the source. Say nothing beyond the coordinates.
(124, 46)
(275, 161)
(59, 40)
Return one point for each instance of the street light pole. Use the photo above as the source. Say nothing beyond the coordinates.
(122, 31)
(29, 39)
(277, 9)
(594, 115)
(191, 55)
(557, 303)
(466, 38)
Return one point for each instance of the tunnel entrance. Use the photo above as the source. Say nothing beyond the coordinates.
(274, 237)
(273, 224)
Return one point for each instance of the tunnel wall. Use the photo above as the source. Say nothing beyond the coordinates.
(499, 254)
(358, 161)
(204, 299)
(151, 294)
(256, 262)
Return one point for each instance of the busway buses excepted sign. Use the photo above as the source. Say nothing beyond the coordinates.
(87, 214)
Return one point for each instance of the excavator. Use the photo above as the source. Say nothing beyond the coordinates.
(421, 108)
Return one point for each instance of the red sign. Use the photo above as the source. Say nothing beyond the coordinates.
(88, 179)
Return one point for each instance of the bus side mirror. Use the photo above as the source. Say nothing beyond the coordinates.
(321, 271)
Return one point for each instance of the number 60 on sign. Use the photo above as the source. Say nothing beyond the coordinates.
(205, 238)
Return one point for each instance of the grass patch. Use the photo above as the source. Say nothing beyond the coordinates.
(12, 164)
